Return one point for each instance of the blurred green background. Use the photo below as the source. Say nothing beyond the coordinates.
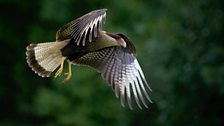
(180, 46)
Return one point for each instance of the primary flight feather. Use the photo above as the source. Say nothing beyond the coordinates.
(83, 41)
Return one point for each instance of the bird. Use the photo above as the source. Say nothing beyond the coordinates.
(84, 42)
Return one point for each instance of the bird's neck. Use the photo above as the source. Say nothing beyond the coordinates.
(102, 41)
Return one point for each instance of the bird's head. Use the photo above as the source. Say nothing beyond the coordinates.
(119, 41)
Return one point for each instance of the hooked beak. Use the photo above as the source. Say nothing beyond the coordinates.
(121, 42)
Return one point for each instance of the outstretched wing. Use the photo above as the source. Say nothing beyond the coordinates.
(122, 71)
(83, 29)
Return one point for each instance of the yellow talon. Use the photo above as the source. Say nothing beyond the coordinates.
(69, 74)
(58, 73)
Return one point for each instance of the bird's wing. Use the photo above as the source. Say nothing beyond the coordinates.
(122, 71)
(83, 29)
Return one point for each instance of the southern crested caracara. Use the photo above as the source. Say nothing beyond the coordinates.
(83, 42)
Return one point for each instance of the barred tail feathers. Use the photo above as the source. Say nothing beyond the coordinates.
(44, 58)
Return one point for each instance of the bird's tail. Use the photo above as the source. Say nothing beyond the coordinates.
(44, 58)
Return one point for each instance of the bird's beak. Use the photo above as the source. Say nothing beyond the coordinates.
(121, 42)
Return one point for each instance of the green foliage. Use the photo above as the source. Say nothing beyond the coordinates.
(179, 46)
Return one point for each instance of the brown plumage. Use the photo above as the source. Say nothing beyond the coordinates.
(83, 42)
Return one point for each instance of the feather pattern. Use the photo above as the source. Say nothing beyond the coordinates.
(122, 71)
(83, 29)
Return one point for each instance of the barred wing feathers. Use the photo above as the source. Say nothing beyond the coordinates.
(83, 29)
(122, 71)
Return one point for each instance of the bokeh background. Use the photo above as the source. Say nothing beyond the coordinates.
(180, 46)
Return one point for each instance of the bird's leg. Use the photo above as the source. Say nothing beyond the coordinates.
(58, 73)
(69, 74)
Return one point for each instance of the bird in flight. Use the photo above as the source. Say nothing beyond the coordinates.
(83, 42)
